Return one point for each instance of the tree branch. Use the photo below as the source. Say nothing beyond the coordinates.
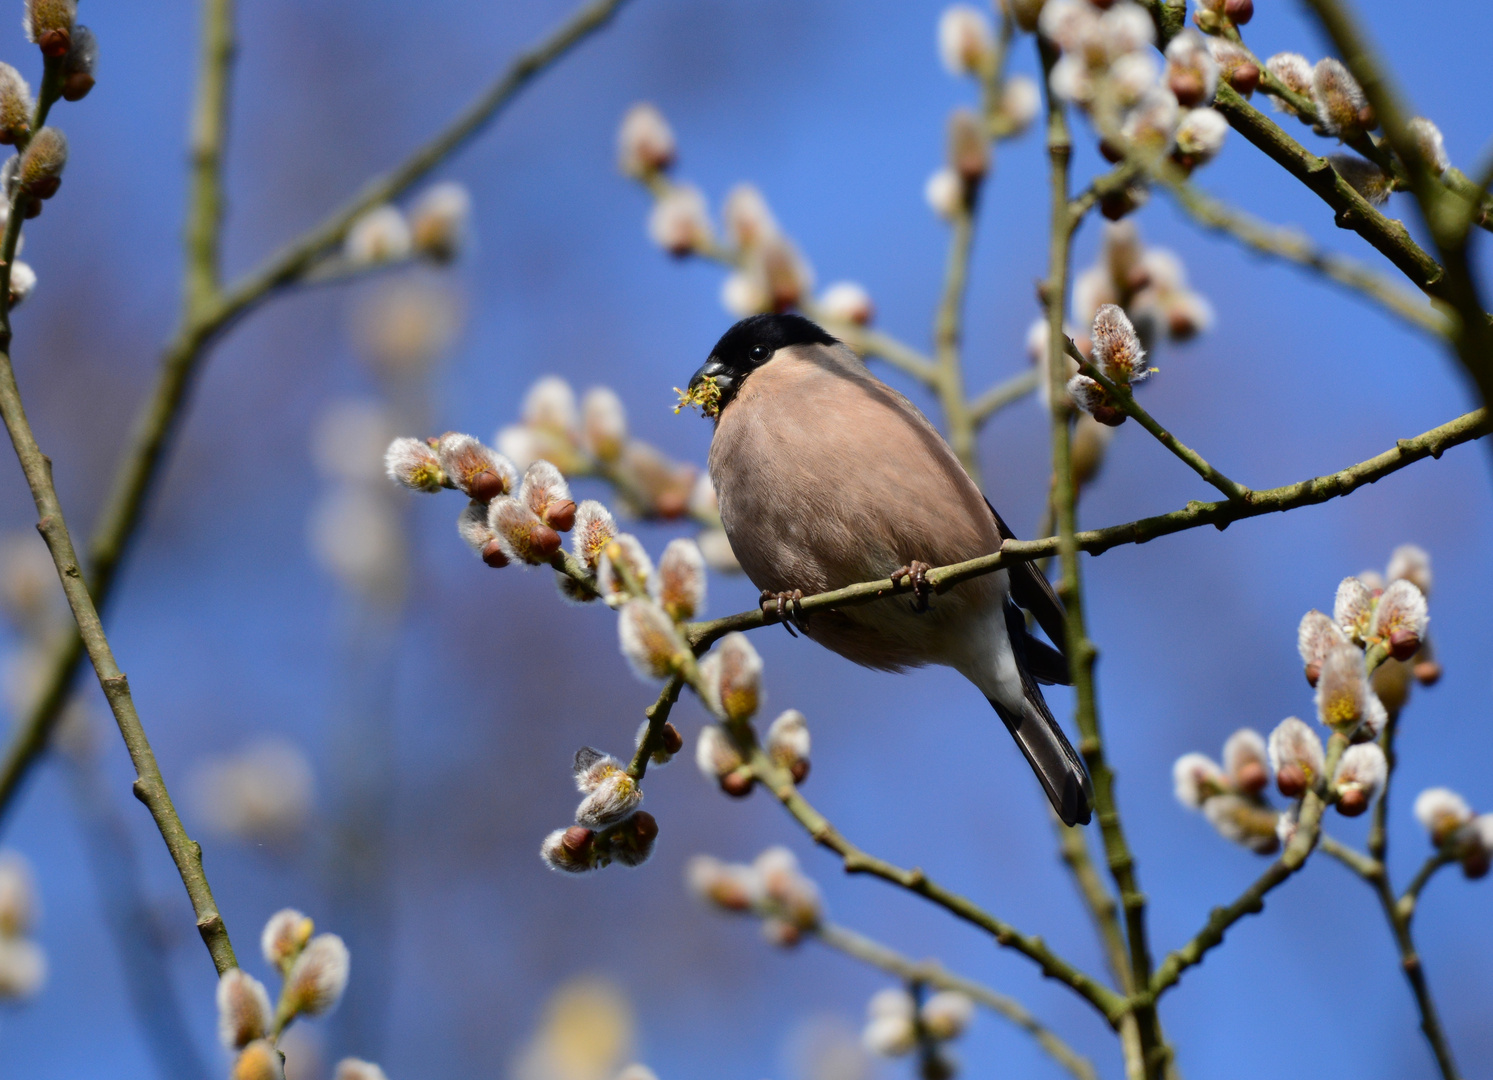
(1220, 515)
(1109, 1004)
(930, 973)
(157, 419)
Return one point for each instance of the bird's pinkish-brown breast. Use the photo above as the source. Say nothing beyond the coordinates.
(827, 477)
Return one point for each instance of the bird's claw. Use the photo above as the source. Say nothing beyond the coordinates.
(779, 603)
(921, 589)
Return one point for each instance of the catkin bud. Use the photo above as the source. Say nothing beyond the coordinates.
(788, 744)
(1432, 147)
(355, 1069)
(380, 236)
(1020, 99)
(945, 194)
(1315, 638)
(15, 106)
(569, 850)
(747, 218)
(79, 64)
(438, 221)
(603, 423)
(1117, 350)
(1442, 812)
(284, 936)
(473, 527)
(624, 558)
(1294, 71)
(728, 886)
(847, 301)
(891, 1030)
(732, 678)
(243, 1009)
(17, 895)
(22, 281)
(631, 843)
(258, 1061)
(718, 759)
(681, 579)
(480, 473)
(966, 41)
(645, 142)
(1244, 761)
(40, 171)
(1353, 609)
(1196, 778)
(1342, 108)
(792, 897)
(318, 977)
(1200, 137)
(1296, 757)
(969, 149)
(1400, 619)
(1364, 177)
(1413, 565)
(1243, 822)
(1345, 701)
(946, 1014)
(1360, 774)
(595, 528)
(49, 24)
(610, 793)
(668, 743)
(1191, 70)
(414, 464)
(520, 533)
(680, 221)
(648, 639)
(546, 493)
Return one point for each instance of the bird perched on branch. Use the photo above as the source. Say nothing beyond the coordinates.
(828, 477)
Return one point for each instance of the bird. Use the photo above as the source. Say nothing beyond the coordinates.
(827, 477)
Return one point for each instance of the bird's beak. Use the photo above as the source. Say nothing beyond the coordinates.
(725, 381)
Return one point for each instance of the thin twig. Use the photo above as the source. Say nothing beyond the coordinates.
(1252, 900)
(1296, 247)
(1079, 650)
(930, 973)
(1220, 515)
(1109, 1004)
(1406, 905)
(150, 787)
(1447, 216)
(1123, 397)
(158, 417)
(1002, 394)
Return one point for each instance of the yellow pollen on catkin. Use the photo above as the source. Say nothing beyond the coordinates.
(706, 397)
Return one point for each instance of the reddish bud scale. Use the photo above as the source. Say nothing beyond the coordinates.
(76, 86)
(1245, 79)
(55, 43)
(670, 739)
(1428, 672)
(1313, 672)
(560, 515)
(1476, 864)
(578, 840)
(1239, 11)
(738, 784)
(1188, 88)
(1252, 778)
(1291, 781)
(1352, 802)
(799, 770)
(487, 486)
(492, 554)
(1403, 644)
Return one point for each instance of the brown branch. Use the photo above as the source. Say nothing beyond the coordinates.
(1220, 515)
(201, 326)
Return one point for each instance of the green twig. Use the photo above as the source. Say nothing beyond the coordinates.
(1002, 394)
(1122, 396)
(157, 419)
(930, 973)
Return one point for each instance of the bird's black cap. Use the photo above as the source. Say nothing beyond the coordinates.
(751, 343)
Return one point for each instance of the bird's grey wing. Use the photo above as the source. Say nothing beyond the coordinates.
(1031, 589)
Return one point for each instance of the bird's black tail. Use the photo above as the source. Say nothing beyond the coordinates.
(1052, 757)
(1041, 740)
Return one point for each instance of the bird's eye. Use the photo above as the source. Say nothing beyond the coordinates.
(759, 353)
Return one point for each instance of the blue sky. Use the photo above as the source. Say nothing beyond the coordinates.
(230, 630)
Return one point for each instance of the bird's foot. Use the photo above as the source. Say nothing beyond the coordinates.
(921, 589)
(788, 606)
